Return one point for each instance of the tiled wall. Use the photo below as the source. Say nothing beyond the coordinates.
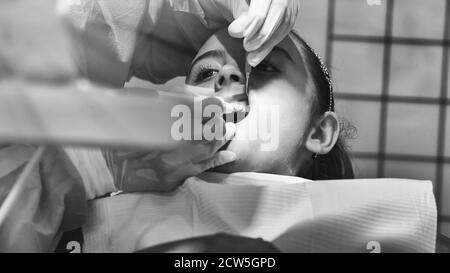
(390, 65)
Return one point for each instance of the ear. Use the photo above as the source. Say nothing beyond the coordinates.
(324, 134)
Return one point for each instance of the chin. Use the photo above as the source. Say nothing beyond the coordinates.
(240, 165)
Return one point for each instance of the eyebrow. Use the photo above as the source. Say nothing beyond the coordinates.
(217, 53)
(220, 53)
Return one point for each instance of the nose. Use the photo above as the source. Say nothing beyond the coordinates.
(227, 76)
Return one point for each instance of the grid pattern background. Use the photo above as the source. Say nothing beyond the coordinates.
(390, 64)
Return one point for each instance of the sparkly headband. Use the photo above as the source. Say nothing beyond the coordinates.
(327, 76)
(322, 66)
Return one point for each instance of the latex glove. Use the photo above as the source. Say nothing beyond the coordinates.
(164, 171)
(264, 25)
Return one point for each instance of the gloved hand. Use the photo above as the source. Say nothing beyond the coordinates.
(164, 171)
(264, 25)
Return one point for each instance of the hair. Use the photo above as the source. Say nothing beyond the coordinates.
(336, 164)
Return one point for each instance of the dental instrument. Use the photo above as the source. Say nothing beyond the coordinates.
(248, 70)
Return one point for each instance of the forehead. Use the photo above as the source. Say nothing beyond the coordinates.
(221, 40)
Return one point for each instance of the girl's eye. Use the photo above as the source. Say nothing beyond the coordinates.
(266, 67)
(205, 74)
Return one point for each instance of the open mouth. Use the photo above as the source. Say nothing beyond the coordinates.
(235, 117)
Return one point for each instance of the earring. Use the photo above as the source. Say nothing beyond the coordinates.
(315, 156)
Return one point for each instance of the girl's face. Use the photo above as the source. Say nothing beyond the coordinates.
(277, 85)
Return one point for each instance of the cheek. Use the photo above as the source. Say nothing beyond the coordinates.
(294, 106)
(290, 120)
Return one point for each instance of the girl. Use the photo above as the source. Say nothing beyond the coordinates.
(293, 78)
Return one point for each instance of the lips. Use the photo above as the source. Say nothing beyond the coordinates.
(225, 146)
